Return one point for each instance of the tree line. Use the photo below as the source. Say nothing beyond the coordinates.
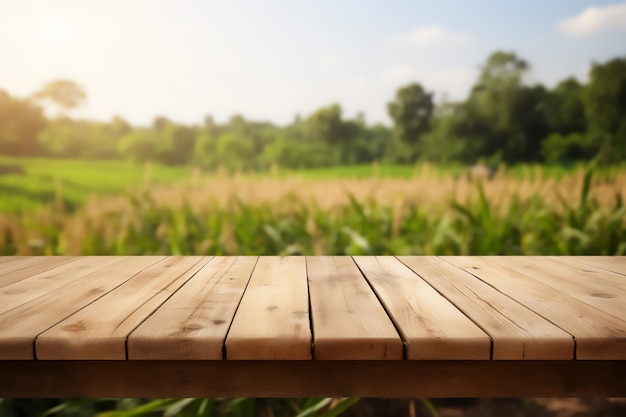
(504, 119)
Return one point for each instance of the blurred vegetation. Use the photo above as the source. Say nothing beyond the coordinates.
(185, 407)
(504, 119)
(36, 182)
(426, 214)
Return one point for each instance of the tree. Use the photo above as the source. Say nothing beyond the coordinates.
(140, 145)
(21, 121)
(234, 151)
(605, 108)
(326, 125)
(565, 110)
(119, 127)
(159, 123)
(504, 118)
(179, 144)
(411, 112)
(66, 94)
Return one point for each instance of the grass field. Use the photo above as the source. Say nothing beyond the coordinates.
(44, 180)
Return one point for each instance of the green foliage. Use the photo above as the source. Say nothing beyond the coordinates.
(64, 137)
(605, 108)
(179, 145)
(411, 111)
(141, 145)
(205, 151)
(327, 126)
(503, 118)
(233, 151)
(169, 144)
(558, 148)
(565, 110)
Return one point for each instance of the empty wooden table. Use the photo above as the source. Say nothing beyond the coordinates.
(384, 326)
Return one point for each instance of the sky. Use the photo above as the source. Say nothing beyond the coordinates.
(272, 59)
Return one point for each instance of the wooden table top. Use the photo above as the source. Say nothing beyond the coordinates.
(312, 326)
(280, 309)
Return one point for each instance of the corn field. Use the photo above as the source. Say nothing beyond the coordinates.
(578, 214)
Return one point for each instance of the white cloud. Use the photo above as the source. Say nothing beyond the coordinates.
(430, 36)
(595, 20)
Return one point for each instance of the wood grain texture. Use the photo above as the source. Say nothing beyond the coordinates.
(25, 269)
(12, 263)
(598, 335)
(10, 259)
(602, 289)
(99, 331)
(431, 326)
(272, 321)
(348, 320)
(276, 379)
(608, 263)
(40, 284)
(193, 323)
(21, 325)
(517, 332)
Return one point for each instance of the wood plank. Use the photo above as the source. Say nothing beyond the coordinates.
(11, 263)
(348, 320)
(517, 332)
(598, 335)
(44, 263)
(38, 285)
(99, 331)
(20, 326)
(272, 321)
(604, 290)
(280, 379)
(4, 258)
(431, 326)
(595, 274)
(193, 323)
(610, 263)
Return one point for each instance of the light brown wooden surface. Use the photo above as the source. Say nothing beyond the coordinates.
(348, 320)
(272, 321)
(431, 326)
(517, 332)
(40, 284)
(315, 308)
(604, 290)
(608, 263)
(99, 330)
(598, 335)
(193, 323)
(24, 269)
(20, 326)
